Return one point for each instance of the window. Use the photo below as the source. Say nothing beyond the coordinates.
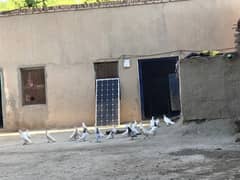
(106, 70)
(33, 86)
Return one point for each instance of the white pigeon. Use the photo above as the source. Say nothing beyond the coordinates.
(134, 128)
(167, 120)
(153, 131)
(25, 136)
(157, 122)
(112, 133)
(135, 124)
(75, 135)
(131, 131)
(28, 134)
(146, 132)
(84, 125)
(50, 138)
(99, 135)
(84, 135)
(114, 130)
(126, 131)
(99, 132)
(142, 129)
(152, 122)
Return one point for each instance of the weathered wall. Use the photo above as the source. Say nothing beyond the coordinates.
(68, 43)
(210, 88)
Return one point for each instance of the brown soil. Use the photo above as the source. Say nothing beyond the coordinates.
(192, 151)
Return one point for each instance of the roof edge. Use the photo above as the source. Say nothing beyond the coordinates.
(85, 6)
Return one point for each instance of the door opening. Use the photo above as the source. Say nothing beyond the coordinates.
(159, 87)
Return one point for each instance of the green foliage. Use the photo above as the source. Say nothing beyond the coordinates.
(31, 3)
(17, 4)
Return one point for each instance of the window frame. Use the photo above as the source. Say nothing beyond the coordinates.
(103, 75)
(21, 81)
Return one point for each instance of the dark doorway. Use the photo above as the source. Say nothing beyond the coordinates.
(159, 87)
(1, 114)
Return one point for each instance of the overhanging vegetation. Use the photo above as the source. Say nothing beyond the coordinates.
(7, 5)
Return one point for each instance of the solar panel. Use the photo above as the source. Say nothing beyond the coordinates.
(107, 111)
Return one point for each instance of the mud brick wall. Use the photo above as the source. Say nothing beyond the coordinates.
(210, 88)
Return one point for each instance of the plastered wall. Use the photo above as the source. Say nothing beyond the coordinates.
(68, 43)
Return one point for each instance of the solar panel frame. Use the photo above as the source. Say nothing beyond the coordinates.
(102, 102)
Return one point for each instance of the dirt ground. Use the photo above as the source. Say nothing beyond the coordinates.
(187, 152)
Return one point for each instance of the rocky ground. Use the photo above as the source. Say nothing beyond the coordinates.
(191, 151)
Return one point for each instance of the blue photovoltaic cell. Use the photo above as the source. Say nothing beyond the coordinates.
(107, 101)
